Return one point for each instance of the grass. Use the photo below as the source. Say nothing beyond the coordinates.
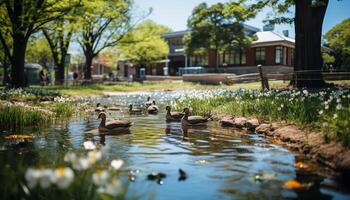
(149, 86)
(327, 109)
(17, 117)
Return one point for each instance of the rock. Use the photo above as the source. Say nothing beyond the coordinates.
(240, 122)
(263, 128)
(227, 122)
(290, 134)
(251, 124)
(329, 154)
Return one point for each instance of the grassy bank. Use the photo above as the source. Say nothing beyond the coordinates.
(327, 110)
(22, 108)
(150, 86)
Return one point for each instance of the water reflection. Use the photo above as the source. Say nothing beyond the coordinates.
(220, 163)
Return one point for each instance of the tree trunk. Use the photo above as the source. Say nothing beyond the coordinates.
(308, 31)
(5, 79)
(18, 78)
(59, 73)
(87, 68)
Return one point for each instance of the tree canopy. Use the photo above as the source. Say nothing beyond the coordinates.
(103, 23)
(38, 51)
(218, 27)
(19, 20)
(144, 44)
(338, 39)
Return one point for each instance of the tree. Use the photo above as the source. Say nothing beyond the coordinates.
(218, 27)
(22, 18)
(59, 34)
(103, 23)
(308, 19)
(144, 44)
(38, 51)
(338, 39)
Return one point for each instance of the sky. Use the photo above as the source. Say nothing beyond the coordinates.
(174, 13)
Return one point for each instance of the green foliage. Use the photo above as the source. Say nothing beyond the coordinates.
(38, 51)
(144, 44)
(63, 109)
(218, 27)
(325, 109)
(328, 58)
(338, 39)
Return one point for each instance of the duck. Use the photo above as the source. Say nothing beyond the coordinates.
(148, 103)
(173, 116)
(153, 109)
(112, 125)
(99, 108)
(187, 120)
(134, 111)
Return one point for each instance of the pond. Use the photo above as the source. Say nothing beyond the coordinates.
(220, 163)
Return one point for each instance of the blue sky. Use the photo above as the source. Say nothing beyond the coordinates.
(174, 13)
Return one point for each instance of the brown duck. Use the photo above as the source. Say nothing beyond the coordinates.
(193, 120)
(112, 125)
(173, 116)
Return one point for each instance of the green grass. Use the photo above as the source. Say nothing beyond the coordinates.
(328, 109)
(18, 117)
(150, 86)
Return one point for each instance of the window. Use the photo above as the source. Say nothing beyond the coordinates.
(232, 58)
(243, 59)
(200, 60)
(278, 55)
(259, 56)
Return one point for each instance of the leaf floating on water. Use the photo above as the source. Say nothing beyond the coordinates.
(18, 136)
(292, 184)
(300, 165)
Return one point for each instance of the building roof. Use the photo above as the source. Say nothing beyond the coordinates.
(270, 36)
(247, 28)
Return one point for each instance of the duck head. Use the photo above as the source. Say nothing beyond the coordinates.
(102, 115)
(130, 107)
(154, 102)
(98, 105)
(148, 98)
(186, 111)
(168, 108)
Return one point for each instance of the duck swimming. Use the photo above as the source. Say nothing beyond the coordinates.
(99, 108)
(153, 109)
(148, 102)
(193, 120)
(112, 125)
(134, 111)
(173, 116)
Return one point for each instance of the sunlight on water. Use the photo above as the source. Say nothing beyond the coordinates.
(220, 163)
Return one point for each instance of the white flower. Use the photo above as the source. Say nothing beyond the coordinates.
(81, 164)
(112, 188)
(100, 177)
(339, 106)
(63, 177)
(279, 108)
(325, 124)
(320, 112)
(117, 164)
(305, 92)
(335, 116)
(326, 107)
(338, 100)
(39, 176)
(70, 157)
(89, 145)
(94, 156)
(282, 105)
